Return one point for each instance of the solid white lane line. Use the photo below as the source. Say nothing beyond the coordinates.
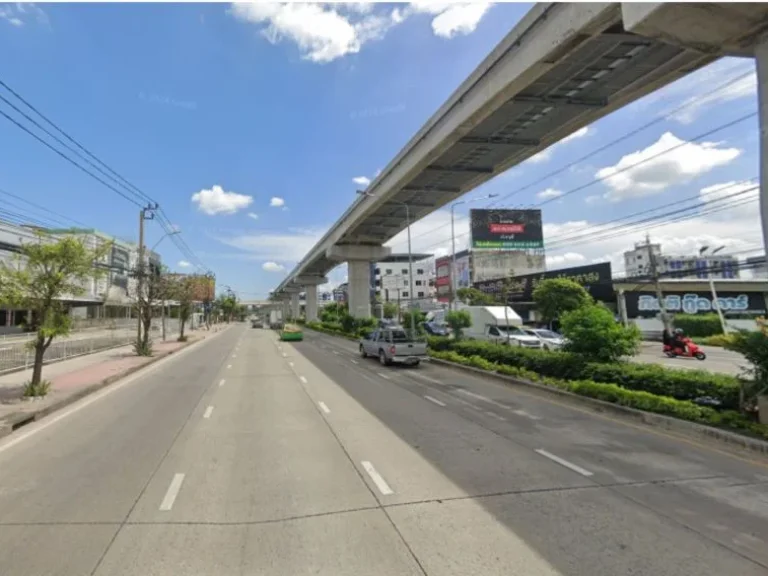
(377, 479)
(525, 414)
(383, 375)
(303, 380)
(324, 408)
(435, 401)
(221, 382)
(208, 412)
(353, 361)
(563, 462)
(173, 491)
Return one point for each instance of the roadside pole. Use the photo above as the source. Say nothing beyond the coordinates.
(655, 275)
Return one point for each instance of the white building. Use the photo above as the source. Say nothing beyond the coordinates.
(720, 266)
(391, 276)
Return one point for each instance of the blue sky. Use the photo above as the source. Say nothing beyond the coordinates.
(248, 125)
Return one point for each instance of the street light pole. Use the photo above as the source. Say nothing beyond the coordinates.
(162, 305)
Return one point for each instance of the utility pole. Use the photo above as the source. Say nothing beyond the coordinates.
(146, 213)
(655, 276)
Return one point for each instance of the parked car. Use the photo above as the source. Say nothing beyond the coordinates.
(549, 339)
(436, 329)
(393, 345)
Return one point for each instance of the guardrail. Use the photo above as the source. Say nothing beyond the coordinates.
(15, 355)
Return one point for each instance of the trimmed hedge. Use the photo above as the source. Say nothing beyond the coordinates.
(698, 325)
(615, 394)
(678, 384)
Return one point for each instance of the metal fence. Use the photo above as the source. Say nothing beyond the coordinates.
(17, 353)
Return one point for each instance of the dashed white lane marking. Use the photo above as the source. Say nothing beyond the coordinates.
(208, 412)
(459, 400)
(335, 352)
(285, 355)
(425, 377)
(221, 382)
(173, 491)
(435, 401)
(234, 356)
(324, 408)
(525, 414)
(564, 462)
(377, 479)
(290, 364)
(303, 380)
(353, 361)
(229, 365)
(382, 375)
(494, 415)
(483, 398)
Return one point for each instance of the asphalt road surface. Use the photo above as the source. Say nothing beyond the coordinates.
(718, 359)
(242, 455)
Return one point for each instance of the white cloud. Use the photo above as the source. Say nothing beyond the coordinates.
(272, 267)
(290, 246)
(183, 264)
(361, 180)
(592, 199)
(217, 201)
(665, 163)
(20, 13)
(549, 193)
(324, 32)
(253, 215)
(546, 154)
(276, 202)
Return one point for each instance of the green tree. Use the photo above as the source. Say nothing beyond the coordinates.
(754, 377)
(458, 320)
(45, 271)
(227, 305)
(474, 297)
(181, 288)
(557, 296)
(390, 310)
(593, 332)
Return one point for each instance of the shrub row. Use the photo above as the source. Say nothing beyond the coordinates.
(609, 392)
(698, 325)
(678, 384)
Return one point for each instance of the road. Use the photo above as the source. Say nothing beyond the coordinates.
(718, 359)
(242, 455)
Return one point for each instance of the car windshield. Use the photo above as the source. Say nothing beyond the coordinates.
(547, 334)
(512, 330)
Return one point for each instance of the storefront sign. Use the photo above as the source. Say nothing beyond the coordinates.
(695, 303)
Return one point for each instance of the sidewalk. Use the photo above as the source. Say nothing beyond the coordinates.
(72, 379)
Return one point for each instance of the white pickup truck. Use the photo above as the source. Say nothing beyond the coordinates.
(392, 345)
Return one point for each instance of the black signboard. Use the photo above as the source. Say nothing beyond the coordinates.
(644, 304)
(120, 264)
(506, 229)
(596, 278)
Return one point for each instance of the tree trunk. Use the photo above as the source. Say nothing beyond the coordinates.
(37, 370)
(181, 331)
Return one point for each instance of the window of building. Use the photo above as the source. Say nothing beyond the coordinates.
(404, 271)
(405, 294)
(421, 294)
(420, 271)
(388, 271)
(377, 271)
(378, 282)
(418, 282)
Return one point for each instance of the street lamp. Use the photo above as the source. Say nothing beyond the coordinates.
(452, 304)
(410, 257)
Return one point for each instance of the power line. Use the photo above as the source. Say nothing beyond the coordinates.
(657, 120)
(181, 245)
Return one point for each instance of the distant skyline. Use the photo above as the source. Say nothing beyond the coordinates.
(253, 125)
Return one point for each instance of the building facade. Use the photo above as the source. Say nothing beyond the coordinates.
(637, 262)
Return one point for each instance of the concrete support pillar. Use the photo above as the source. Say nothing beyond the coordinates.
(311, 303)
(359, 260)
(359, 272)
(761, 65)
(295, 307)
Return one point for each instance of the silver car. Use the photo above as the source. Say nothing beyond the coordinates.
(393, 345)
(549, 340)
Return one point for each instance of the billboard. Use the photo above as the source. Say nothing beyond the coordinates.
(506, 229)
(462, 272)
(443, 279)
(203, 288)
(647, 305)
(493, 265)
(596, 278)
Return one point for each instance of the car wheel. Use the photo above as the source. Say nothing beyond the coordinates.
(545, 347)
(382, 358)
(362, 352)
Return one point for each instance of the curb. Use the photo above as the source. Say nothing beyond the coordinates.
(16, 420)
(648, 418)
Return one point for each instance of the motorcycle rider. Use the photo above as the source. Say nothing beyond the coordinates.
(678, 340)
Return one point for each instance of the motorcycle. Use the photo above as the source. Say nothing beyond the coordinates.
(691, 351)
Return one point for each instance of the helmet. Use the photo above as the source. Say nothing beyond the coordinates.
(679, 331)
